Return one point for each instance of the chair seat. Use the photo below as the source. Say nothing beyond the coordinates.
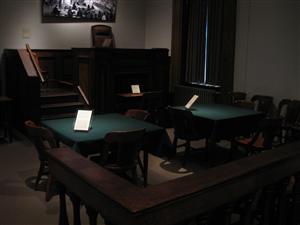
(259, 143)
(263, 138)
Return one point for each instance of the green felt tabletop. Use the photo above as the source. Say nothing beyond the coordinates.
(100, 126)
(220, 112)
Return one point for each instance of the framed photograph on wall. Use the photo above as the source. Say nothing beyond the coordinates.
(79, 10)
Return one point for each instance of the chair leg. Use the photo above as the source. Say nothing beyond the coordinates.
(5, 131)
(134, 176)
(10, 136)
(39, 175)
(48, 188)
(8, 133)
(175, 140)
(144, 167)
(186, 153)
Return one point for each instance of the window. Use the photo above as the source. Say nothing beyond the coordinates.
(207, 42)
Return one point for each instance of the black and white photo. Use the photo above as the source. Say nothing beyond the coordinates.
(79, 10)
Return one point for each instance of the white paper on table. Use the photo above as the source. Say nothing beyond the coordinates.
(135, 89)
(191, 102)
(83, 120)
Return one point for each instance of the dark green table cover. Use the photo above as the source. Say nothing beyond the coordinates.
(219, 112)
(100, 126)
(225, 121)
(153, 141)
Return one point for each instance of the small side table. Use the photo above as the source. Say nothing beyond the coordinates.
(125, 101)
(6, 117)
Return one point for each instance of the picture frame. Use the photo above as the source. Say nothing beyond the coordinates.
(79, 11)
(83, 120)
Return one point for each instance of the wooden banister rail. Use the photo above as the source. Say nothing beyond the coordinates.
(174, 201)
(35, 64)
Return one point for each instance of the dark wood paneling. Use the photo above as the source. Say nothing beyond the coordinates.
(24, 90)
(112, 71)
(83, 70)
(58, 64)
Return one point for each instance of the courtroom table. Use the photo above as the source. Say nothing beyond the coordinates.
(224, 121)
(102, 124)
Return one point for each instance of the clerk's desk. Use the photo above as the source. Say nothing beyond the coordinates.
(103, 124)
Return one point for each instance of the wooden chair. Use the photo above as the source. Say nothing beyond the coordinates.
(154, 103)
(102, 36)
(245, 104)
(43, 140)
(238, 96)
(121, 152)
(263, 138)
(282, 108)
(264, 103)
(291, 122)
(185, 129)
(282, 112)
(138, 114)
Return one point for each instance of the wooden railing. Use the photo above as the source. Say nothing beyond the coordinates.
(178, 200)
(35, 64)
(24, 85)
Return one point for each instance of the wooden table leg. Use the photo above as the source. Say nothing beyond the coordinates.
(145, 173)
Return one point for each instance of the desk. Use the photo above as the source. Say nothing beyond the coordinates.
(150, 100)
(224, 121)
(130, 95)
(103, 124)
(125, 101)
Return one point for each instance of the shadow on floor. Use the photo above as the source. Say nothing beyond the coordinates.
(200, 159)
